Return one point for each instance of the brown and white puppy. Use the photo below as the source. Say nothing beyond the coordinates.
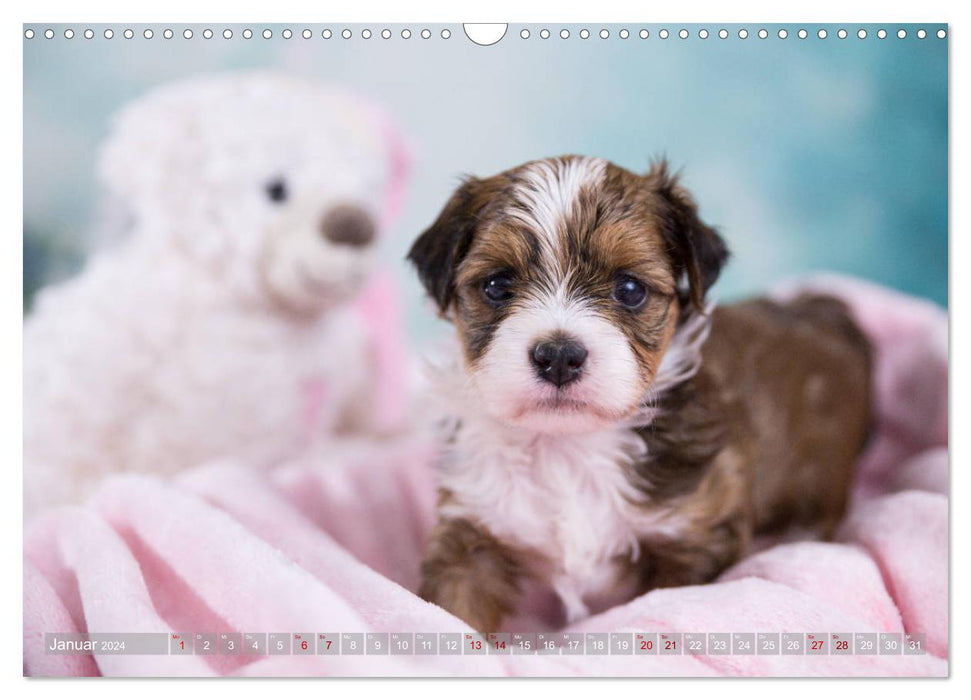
(612, 432)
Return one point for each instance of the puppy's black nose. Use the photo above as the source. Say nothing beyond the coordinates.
(558, 361)
(347, 224)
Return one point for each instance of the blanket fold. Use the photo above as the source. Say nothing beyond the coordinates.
(332, 543)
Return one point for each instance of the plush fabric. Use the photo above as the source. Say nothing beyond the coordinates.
(225, 321)
(332, 543)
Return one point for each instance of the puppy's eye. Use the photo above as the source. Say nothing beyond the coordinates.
(497, 289)
(276, 190)
(630, 292)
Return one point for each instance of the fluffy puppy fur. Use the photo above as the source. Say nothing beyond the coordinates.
(611, 431)
(221, 325)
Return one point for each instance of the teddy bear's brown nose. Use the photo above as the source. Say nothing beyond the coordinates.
(348, 224)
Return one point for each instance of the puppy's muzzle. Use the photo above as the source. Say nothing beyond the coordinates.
(558, 361)
(347, 224)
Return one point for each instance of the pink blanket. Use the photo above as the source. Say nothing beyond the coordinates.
(333, 544)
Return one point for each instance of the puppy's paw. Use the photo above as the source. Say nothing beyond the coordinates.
(471, 574)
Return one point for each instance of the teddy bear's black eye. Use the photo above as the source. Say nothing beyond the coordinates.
(629, 291)
(277, 191)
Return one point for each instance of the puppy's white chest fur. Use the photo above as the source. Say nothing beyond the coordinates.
(566, 498)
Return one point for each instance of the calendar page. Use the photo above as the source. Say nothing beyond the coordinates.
(476, 350)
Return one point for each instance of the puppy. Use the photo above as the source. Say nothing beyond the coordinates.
(613, 432)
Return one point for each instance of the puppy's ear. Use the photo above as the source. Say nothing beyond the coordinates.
(698, 251)
(439, 250)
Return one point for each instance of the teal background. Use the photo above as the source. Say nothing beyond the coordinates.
(808, 154)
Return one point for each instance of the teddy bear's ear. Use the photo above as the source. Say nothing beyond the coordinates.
(399, 159)
(151, 142)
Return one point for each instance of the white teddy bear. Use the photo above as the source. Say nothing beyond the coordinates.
(222, 325)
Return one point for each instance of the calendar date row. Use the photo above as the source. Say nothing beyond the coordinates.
(470, 643)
